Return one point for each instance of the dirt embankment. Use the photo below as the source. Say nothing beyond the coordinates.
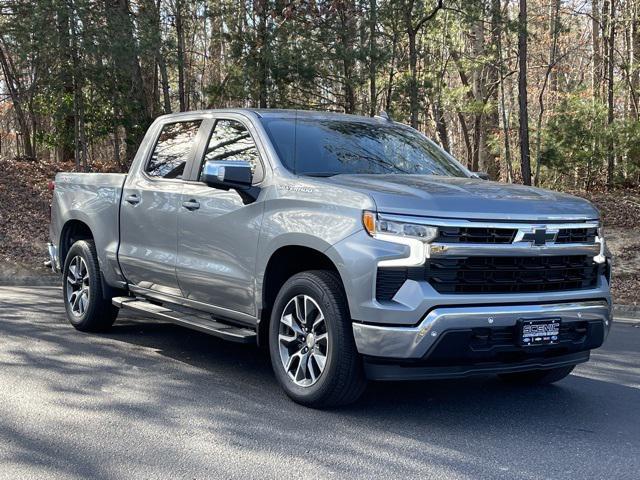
(24, 225)
(621, 213)
(24, 216)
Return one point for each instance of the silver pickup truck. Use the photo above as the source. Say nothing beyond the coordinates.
(353, 248)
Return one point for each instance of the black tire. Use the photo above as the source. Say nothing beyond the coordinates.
(98, 313)
(537, 377)
(342, 381)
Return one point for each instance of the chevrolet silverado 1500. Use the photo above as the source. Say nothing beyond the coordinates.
(353, 248)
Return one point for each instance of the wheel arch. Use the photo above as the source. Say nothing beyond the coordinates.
(283, 263)
(72, 231)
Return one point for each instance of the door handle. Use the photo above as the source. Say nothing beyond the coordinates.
(191, 205)
(132, 199)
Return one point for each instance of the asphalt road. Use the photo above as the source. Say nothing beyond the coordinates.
(153, 400)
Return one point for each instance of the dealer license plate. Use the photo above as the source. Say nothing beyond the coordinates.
(539, 332)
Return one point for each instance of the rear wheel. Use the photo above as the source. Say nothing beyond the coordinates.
(313, 353)
(537, 377)
(87, 309)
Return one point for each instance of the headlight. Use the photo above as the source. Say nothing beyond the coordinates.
(415, 236)
(376, 227)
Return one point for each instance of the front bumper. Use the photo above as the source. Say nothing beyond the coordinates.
(382, 371)
(415, 342)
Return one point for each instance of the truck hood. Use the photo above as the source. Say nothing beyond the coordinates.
(467, 198)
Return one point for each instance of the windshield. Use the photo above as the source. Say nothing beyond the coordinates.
(330, 147)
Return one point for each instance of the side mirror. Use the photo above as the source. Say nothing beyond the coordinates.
(482, 175)
(227, 174)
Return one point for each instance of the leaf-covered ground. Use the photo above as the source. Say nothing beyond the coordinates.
(24, 216)
(24, 225)
(621, 213)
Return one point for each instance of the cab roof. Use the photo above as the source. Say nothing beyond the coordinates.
(285, 113)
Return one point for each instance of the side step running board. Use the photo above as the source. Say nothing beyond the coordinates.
(201, 322)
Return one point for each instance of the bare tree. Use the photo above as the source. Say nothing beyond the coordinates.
(525, 156)
(610, 105)
(373, 56)
(412, 28)
(16, 94)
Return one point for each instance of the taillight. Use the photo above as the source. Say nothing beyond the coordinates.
(51, 185)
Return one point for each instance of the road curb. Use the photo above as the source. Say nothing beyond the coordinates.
(627, 309)
(42, 281)
(626, 314)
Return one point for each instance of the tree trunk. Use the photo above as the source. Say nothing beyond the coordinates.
(347, 36)
(604, 35)
(413, 80)
(127, 74)
(479, 96)
(65, 147)
(635, 58)
(441, 125)
(525, 159)
(548, 80)
(164, 81)
(554, 32)
(412, 30)
(116, 147)
(15, 92)
(503, 107)
(262, 33)
(610, 105)
(472, 158)
(148, 28)
(467, 139)
(151, 9)
(373, 57)
(490, 161)
(596, 76)
(181, 56)
(78, 96)
(389, 95)
(485, 79)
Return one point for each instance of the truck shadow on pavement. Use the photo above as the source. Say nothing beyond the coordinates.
(164, 378)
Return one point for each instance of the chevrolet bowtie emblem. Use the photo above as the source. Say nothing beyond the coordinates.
(539, 236)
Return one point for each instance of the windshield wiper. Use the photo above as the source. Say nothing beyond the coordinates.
(319, 174)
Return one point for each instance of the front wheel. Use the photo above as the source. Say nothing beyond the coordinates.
(87, 308)
(537, 377)
(313, 353)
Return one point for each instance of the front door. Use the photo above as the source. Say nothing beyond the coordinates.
(218, 229)
(149, 210)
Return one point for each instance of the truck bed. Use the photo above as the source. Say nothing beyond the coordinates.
(94, 199)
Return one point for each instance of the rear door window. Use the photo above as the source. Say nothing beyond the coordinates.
(173, 149)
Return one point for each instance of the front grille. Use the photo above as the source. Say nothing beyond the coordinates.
(499, 275)
(475, 235)
(493, 235)
(511, 274)
(577, 235)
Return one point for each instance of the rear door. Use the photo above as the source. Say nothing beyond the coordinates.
(218, 239)
(149, 209)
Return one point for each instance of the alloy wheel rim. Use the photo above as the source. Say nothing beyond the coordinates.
(77, 285)
(303, 340)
